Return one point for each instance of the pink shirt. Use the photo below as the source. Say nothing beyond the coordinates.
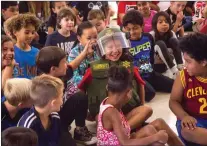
(148, 21)
(106, 137)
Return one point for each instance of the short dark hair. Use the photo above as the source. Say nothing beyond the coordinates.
(5, 38)
(6, 4)
(49, 56)
(19, 136)
(133, 17)
(119, 79)
(65, 12)
(195, 45)
(52, 4)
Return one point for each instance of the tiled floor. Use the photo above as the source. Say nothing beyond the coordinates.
(160, 106)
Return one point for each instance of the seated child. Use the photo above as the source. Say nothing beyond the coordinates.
(113, 126)
(144, 8)
(97, 18)
(22, 28)
(46, 94)
(63, 37)
(175, 12)
(51, 60)
(8, 61)
(56, 7)
(166, 46)
(19, 136)
(142, 50)
(16, 101)
(87, 36)
(188, 99)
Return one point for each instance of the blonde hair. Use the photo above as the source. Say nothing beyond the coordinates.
(17, 90)
(96, 14)
(46, 8)
(44, 88)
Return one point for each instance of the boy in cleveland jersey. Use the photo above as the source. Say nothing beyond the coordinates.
(188, 99)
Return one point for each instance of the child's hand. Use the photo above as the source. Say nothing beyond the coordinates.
(180, 16)
(162, 136)
(189, 122)
(88, 48)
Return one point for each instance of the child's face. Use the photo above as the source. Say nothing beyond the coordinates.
(143, 7)
(162, 24)
(134, 30)
(58, 101)
(59, 6)
(11, 11)
(89, 34)
(67, 23)
(194, 68)
(25, 35)
(61, 69)
(113, 50)
(99, 24)
(177, 7)
(7, 53)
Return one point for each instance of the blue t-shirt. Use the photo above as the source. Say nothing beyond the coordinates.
(142, 51)
(26, 60)
(46, 137)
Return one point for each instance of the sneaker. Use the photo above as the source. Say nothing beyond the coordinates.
(180, 66)
(84, 136)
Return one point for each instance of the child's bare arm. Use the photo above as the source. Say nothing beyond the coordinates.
(176, 98)
(141, 93)
(112, 115)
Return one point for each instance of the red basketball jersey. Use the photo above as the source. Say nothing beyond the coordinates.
(195, 95)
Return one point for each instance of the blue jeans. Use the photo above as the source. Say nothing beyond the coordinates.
(200, 123)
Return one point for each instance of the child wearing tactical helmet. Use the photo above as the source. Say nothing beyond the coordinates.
(111, 42)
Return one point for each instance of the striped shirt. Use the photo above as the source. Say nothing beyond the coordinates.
(46, 137)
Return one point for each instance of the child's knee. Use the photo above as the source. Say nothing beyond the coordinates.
(161, 44)
(158, 123)
(150, 130)
(147, 109)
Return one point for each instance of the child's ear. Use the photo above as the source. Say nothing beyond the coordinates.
(52, 69)
(79, 38)
(20, 105)
(106, 87)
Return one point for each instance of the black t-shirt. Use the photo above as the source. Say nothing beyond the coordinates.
(56, 39)
(86, 6)
(6, 120)
(52, 21)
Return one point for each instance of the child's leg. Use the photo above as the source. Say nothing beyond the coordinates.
(196, 135)
(164, 54)
(173, 139)
(173, 44)
(145, 132)
(138, 116)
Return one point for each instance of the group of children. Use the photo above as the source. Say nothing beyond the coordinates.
(105, 71)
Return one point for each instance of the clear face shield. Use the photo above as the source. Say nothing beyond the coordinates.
(113, 43)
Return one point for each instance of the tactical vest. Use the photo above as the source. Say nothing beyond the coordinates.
(96, 90)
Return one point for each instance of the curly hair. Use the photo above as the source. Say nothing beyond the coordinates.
(16, 23)
(134, 17)
(195, 46)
